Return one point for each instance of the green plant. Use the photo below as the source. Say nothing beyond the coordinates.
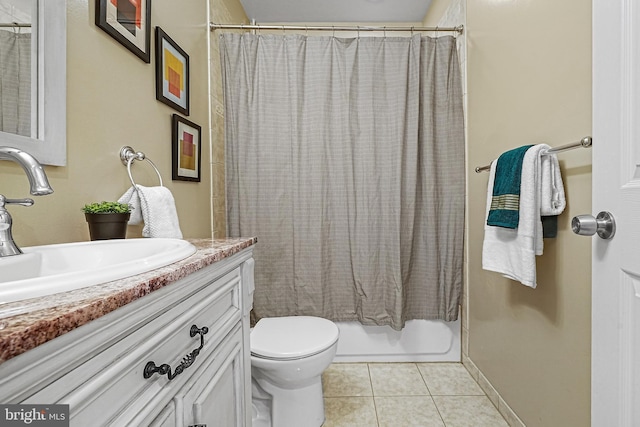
(106, 207)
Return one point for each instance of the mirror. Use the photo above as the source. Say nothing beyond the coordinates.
(33, 104)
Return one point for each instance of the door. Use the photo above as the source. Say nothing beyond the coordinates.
(217, 397)
(615, 379)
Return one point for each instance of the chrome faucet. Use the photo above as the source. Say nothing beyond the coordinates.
(39, 187)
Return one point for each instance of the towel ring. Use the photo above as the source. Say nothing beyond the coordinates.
(128, 155)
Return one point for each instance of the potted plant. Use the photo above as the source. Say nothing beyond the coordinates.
(107, 220)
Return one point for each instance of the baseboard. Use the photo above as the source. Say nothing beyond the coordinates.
(505, 410)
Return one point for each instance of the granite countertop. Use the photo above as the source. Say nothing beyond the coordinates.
(27, 324)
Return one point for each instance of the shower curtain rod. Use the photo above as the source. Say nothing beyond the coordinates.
(583, 143)
(214, 26)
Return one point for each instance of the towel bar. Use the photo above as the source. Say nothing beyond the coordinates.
(128, 155)
(584, 143)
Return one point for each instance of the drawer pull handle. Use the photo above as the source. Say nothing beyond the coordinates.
(151, 368)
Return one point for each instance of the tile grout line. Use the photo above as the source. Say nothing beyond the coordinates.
(438, 410)
(431, 396)
(373, 397)
(424, 380)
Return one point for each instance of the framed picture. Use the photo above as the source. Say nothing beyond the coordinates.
(186, 149)
(172, 73)
(129, 22)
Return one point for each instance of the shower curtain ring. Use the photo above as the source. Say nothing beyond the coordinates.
(283, 33)
(411, 31)
(333, 34)
(384, 31)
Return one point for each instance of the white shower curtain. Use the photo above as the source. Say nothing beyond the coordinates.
(346, 158)
(15, 82)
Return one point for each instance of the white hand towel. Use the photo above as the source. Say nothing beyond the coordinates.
(552, 198)
(156, 207)
(131, 198)
(512, 252)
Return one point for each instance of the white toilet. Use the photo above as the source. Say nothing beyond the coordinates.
(288, 356)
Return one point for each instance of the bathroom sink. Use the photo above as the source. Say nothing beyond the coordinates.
(49, 269)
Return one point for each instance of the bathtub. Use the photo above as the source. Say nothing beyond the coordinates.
(419, 341)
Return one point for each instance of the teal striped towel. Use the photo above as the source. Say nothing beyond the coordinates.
(505, 201)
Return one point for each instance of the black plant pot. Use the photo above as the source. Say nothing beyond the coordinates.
(103, 226)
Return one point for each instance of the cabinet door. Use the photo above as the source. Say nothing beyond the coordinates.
(217, 397)
(166, 418)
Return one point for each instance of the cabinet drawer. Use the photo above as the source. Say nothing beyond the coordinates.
(117, 372)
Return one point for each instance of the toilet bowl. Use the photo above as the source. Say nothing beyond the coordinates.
(288, 356)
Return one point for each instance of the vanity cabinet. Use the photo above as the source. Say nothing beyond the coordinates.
(179, 356)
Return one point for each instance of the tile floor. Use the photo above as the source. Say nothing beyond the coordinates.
(405, 395)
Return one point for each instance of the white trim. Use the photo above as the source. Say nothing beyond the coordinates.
(50, 144)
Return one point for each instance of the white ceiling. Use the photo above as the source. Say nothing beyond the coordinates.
(265, 11)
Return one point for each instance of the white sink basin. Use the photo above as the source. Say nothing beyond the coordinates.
(46, 270)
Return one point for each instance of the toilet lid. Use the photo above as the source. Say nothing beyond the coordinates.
(292, 337)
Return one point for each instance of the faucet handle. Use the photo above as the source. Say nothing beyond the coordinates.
(23, 202)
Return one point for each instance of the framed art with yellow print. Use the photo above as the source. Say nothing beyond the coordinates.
(172, 73)
(186, 149)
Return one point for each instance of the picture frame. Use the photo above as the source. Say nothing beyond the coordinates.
(186, 149)
(129, 22)
(172, 73)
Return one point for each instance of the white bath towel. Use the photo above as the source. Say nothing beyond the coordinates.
(155, 207)
(512, 252)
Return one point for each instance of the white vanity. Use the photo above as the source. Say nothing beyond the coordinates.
(165, 348)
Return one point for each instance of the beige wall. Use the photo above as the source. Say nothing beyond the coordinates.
(529, 81)
(436, 10)
(110, 103)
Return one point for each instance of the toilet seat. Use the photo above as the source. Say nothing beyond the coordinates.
(292, 337)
